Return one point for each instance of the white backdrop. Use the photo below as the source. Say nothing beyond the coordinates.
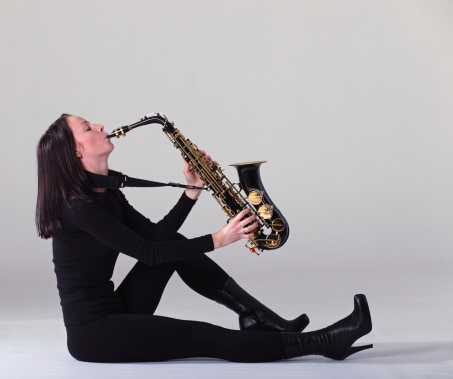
(350, 102)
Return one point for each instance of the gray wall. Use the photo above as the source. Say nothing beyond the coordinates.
(350, 102)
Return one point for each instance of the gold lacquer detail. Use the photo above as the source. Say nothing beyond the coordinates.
(273, 240)
(253, 247)
(266, 211)
(278, 225)
(247, 163)
(120, 132)
(255, 196)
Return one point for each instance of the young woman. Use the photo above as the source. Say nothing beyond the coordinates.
(90, 225)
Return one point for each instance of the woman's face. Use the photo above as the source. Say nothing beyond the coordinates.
(91, 140)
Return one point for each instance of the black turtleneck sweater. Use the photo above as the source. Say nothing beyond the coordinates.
(86, 248)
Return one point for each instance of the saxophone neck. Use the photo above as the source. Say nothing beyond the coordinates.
(153, 118)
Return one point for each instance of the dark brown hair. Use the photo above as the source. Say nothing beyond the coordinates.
(61, 176)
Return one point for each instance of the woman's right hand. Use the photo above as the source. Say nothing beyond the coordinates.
(235, 230)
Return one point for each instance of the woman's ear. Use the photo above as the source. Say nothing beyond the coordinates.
(79, 150)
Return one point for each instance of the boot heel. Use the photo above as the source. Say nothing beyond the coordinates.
(335, 341)
(356, 349)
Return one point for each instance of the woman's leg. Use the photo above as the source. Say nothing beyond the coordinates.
(142, 290)
(202, 275)
(147, 338)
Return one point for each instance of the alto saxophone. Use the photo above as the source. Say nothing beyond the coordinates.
(272, 230)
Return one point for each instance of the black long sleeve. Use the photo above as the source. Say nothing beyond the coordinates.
(86, 248)
(165, 228)
(97, 220)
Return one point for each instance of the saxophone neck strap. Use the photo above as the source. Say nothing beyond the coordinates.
(118, 180)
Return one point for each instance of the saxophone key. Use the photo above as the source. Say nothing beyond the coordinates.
(273, 240)
(278, 225)
(266, 211)
(255, 196)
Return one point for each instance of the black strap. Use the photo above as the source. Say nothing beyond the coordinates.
(118, 180)
(134, 182)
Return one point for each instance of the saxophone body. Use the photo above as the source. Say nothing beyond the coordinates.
(272, 230)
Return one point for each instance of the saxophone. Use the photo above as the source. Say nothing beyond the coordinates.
(272, 230)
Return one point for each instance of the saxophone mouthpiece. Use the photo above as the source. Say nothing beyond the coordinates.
(120, 132)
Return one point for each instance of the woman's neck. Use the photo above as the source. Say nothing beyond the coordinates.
(98, 167)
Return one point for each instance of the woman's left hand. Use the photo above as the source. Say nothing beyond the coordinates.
(193, 179)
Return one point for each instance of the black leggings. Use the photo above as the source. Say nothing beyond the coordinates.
(134, 334)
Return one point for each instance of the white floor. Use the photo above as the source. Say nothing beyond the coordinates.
(412, 332)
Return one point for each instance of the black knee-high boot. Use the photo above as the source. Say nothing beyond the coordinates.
(252, 314)
(335, 341)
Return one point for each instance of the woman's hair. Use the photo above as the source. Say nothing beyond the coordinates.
(61, 176)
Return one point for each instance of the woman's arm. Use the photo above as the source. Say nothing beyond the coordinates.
(166, 228)
(96, 219)
(170, 224)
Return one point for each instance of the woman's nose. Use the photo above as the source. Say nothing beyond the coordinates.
(101, 127)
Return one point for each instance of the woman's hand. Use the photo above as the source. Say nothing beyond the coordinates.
(193, 179)
(235, 230)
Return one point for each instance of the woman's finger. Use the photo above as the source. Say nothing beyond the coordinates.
(250, 228)
(240, 215)
(187, 164)
(247, 220)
